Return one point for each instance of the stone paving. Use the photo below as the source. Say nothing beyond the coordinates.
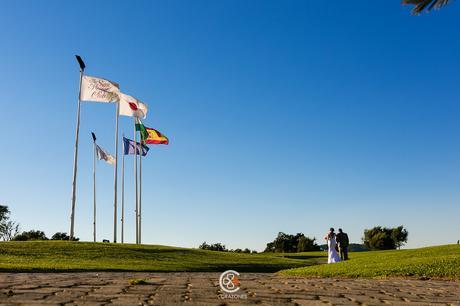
(203, 289)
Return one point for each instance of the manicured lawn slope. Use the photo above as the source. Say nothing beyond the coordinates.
(55, 256)
(432, 262)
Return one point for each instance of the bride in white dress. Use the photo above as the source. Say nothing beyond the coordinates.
(333, 256)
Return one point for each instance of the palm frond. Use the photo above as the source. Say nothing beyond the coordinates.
(421, 5)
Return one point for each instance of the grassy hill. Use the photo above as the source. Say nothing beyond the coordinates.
(56, 256)
(431, 262)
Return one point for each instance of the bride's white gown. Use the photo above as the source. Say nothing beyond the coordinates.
(333, 255)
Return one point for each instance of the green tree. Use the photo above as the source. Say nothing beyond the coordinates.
(399, 235)
(63, 236)
(281, 242)
(4, 212)
(270, 247)
(306, 244)
(286, 243)
(213, 247)
(383, 238)
(204, 246)
(421, 5)
(30, 235)
(60, 236)
(8, 228)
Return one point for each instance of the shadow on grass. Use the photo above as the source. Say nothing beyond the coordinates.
(260, 268)
(305, 257)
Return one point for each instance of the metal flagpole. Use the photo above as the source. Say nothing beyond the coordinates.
(75, 156)
(135, 176)
(94, 186)
(140, 193)
(123, 193)
(115, 177)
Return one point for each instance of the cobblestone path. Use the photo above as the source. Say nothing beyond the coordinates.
(203, 289)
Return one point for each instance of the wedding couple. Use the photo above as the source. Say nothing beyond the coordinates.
(337, 244)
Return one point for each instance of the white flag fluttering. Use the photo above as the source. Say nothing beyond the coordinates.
(103, 155)
(132, 107)
(98, 90)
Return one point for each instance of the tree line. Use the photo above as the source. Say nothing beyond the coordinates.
(9, 230)
(376, 238)
(221, 248)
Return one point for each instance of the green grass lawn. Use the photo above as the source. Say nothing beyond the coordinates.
(431, 262)
(59, 256)
(53, 256)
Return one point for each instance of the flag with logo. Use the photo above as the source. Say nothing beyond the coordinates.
(103, 155)
(132, 147)
(155, 137)
(132, 107)
(98, 90)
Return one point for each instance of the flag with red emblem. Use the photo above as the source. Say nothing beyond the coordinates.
(132, 107)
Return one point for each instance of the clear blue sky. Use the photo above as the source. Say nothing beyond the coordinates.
(286, 116)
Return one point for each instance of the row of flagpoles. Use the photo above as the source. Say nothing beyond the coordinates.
(93, 89)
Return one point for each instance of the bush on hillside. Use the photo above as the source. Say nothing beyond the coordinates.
(63, 236)
(384, 238)
(30, 235)
(285, 243)
(213, 247)
(221, 248)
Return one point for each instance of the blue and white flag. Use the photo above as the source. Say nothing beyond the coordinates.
(129, 147)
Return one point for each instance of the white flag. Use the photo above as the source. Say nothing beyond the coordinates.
(132, 107)
(98, 90)
(103, 155)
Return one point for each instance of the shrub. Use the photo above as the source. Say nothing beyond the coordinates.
(30, 235)
(63, 236)
(213, 247)
(384, 238)
(285, 243)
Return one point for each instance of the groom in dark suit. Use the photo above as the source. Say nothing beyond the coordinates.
(342, 243)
